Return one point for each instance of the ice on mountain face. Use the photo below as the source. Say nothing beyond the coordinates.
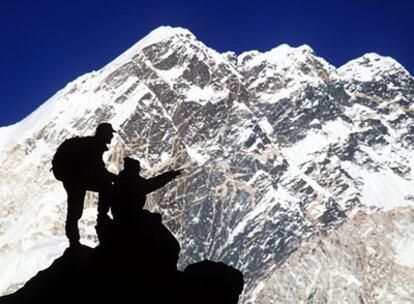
(317, 140)
(382, 189)
(279, 151)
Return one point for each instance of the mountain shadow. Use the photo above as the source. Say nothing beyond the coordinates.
(136, 259)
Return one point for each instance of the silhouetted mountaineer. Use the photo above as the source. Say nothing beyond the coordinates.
(78, 164)
(140, 232)
(130, 189)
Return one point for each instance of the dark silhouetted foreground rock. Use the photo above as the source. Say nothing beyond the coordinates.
(136, 262)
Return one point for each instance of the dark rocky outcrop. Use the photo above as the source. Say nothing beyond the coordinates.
(135, 262)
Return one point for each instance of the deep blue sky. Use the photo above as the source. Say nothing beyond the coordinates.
(45, 44)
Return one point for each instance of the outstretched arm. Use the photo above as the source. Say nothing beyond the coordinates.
(159, 181)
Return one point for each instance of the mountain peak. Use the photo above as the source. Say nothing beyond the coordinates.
(370, 67)
(277, 54)
(287, 49)
(159, 34)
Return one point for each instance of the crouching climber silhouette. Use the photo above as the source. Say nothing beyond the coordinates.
(153, 241)
(78, 164)
(130, 189)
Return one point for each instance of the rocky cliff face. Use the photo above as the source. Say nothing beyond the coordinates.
(366, 260)
(282, 154)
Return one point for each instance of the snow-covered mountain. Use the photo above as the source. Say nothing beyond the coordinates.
(295, 172)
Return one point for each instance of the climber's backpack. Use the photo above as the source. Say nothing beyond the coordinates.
(64, 161)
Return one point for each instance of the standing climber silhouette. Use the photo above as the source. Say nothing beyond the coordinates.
(78, 164)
